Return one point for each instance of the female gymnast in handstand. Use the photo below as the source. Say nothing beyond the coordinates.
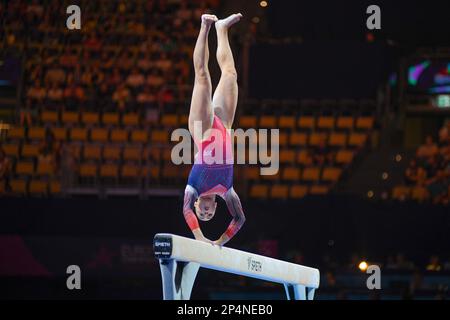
(208, 178)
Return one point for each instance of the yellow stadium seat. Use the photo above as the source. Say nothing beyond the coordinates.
(18, 186)
(291, 174)
(60, 134)
(316, 137)
(99, 134)
(365, 123)
(36, 133)
(248, 122)
(287, 156)
(401, 193)
(306, 122)
(130, 171)
(30, 150)
(267, 122)
(318, 190)
(286, 122)
(279, 192)
(420, 194)
(152, 172)
(88, 170)
(344, 156)
(38, 187)
(331, 174)
(92, 152)
(110, 119)
(25, 168)
(44, 169)
(184, 172)
(170, 172)
(167, 155)
(357, 139)
(49, 117)
(283, 139)
(68, 117)
(153, 154)
(259, 191)
(15, 133)
(169, 120)
(298, 191)
(111, 152)
(11, 149)
(130, 119)
(90, 118)
(184, 119)
(298, 139)
(337, 139)
(311, 174)
(55, 187)
(252, 173)
(304, 158)
(139, 136)
(78, 134)
(119, 135)
(325, 123)
(345, 123)
(109, 171)
(160, 136)
(132, 153)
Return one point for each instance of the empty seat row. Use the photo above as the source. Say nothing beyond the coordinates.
(280, 191)
(292, 174)
(307, 122)
(109, 119)
(91, 134)
(33, 187)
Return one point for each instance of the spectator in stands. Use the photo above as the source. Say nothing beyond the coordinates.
(121, 97)
(165, 99)
(106, 61)
(55, 95)
(135, 79)
(69, 59)
(55, 75)
(126, 61)
(115, 78)
(36, 93)
(146, 98)
(415, 174)
(154, 79)
(437, 186)
(427, 150)
(434, 264)
(5, 169)
(27, 112)
(73, 95)
(93, 43)
(145, 62)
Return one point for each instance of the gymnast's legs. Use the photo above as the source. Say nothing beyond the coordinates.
(201, 105)
(226, 94)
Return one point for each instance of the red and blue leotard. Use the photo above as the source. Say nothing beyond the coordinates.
(208, 177)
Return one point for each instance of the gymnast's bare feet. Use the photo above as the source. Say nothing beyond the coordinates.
(208, 20)
(228, 22)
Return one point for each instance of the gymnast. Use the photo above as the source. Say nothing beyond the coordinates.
(208, 178)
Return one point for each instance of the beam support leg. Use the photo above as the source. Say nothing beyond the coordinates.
(177, 278)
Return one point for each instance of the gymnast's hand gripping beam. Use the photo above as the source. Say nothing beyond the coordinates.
(180, 259)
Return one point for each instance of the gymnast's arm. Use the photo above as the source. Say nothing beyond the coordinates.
(190, 195)
(234, 206)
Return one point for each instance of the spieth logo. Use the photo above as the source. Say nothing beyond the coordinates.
(162, 244)
(254, 265)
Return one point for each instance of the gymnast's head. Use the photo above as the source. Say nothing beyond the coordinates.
(205, 207)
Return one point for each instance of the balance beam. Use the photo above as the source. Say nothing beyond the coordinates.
(180, 259)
